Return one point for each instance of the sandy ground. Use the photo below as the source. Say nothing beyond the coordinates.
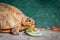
(48, 35)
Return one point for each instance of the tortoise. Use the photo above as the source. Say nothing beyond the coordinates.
(13, 20)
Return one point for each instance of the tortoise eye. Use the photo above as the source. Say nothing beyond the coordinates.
(28, 20)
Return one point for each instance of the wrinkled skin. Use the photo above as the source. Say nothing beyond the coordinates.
(13, 20)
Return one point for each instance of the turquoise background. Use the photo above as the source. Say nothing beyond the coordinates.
(46, 13)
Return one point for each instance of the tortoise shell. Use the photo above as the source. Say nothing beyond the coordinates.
(10, 16)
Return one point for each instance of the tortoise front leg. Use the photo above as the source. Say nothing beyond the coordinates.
(15, 30)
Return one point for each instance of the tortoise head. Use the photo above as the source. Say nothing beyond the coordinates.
(28, 22)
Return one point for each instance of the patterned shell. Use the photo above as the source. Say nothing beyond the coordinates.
(10, 16)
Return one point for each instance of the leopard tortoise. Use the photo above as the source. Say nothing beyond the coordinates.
(13, 19)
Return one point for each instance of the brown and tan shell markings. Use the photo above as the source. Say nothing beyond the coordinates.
(10, 16)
